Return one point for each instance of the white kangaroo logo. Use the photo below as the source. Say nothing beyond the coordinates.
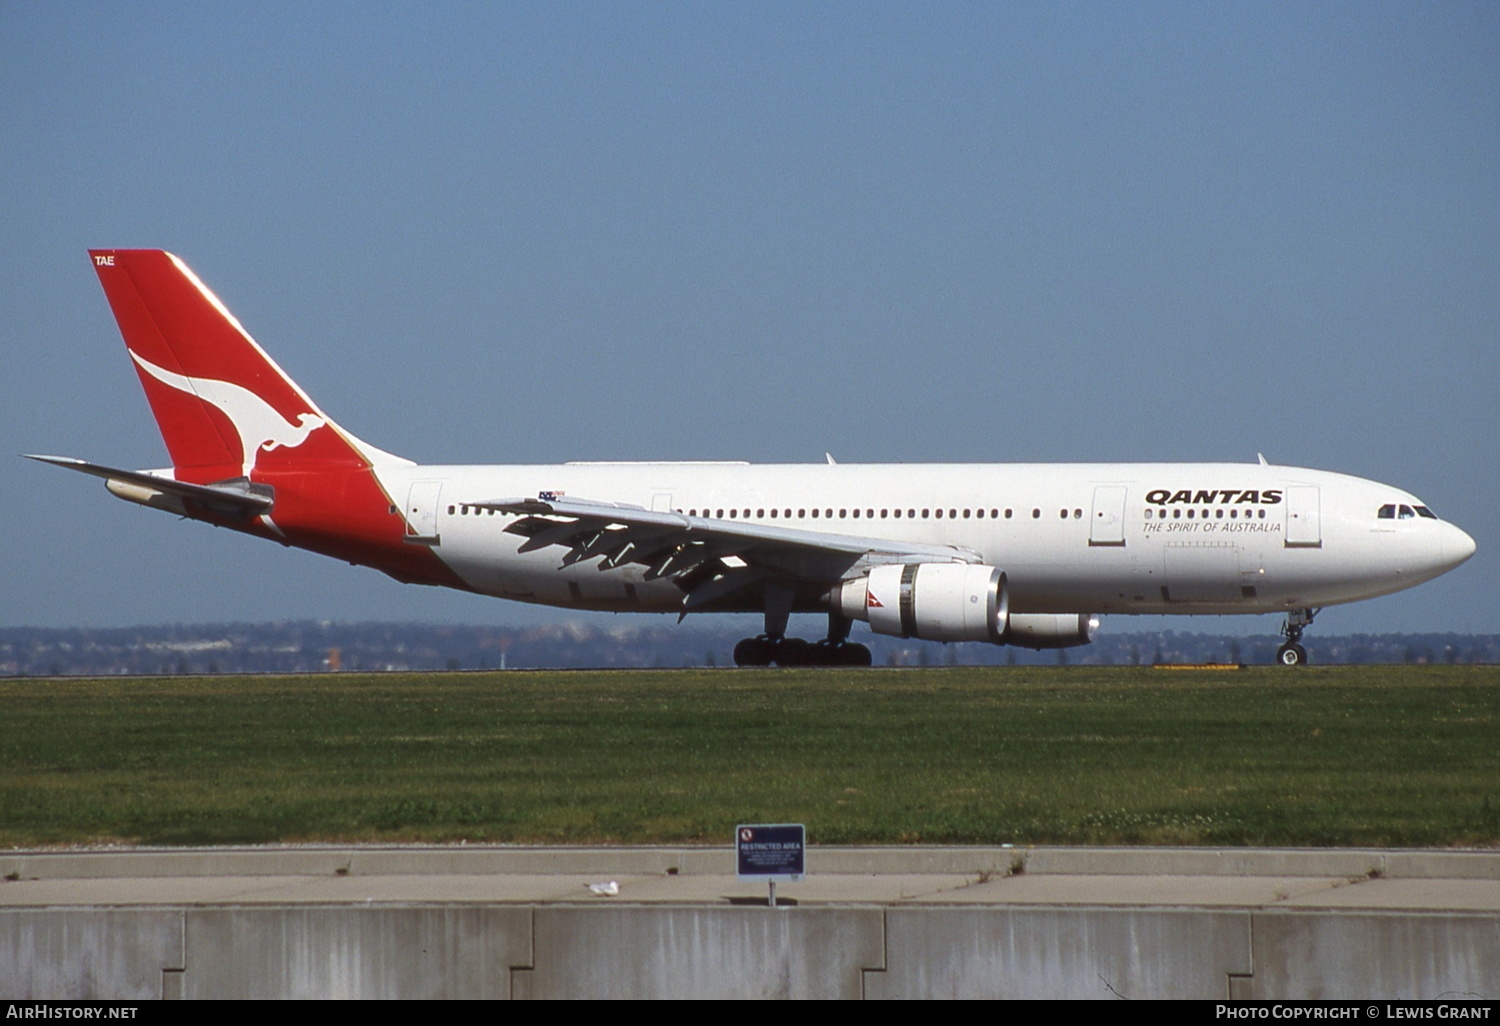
(257, 422)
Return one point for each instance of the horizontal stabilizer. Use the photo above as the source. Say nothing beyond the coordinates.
(232, 498)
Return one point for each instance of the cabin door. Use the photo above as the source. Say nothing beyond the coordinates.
(1303, 529)
(422, 512)
(1108, 525)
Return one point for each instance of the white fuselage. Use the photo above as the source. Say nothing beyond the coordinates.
(1071, 538)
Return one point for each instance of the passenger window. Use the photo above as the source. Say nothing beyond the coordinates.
(1062, 514)
(925, 514)
(1148, 514)
(450, 511)
(1190, 513)
(939, 514)
(1218, 514)
(815, 514)
(1261, 514)
(773, 514)
(1007, 514)
(1078, 514)
(1036, 514)
(897, 513)
(1177, 514)
(966, 514)
(856, 514)
(759, 514)
(802, 514)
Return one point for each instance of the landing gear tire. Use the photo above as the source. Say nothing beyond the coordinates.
(1291, 655)
(853, 655)
(794, 652)
(754, 652)
(825, 653)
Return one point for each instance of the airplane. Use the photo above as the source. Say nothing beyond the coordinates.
(1010, 554)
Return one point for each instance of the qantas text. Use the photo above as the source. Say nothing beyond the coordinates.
(1204, 497)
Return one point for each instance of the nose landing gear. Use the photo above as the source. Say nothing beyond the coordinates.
(1292, 653)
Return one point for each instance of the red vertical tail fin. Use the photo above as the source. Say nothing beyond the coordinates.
(223, 406)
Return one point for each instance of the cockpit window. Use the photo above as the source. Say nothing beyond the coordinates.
(1423, 511)
(1406, 513)
(1388, 511)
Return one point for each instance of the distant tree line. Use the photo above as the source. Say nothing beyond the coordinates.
(307, 646)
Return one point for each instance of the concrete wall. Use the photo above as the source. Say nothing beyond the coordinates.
(1061, 953)
(106, 954)
(1452, 956)
(635, 951)
(340, 952)
(704, 952)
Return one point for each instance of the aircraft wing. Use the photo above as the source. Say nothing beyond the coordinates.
(709, 558)
(234, 499)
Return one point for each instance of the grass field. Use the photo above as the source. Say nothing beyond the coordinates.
(1395, 755)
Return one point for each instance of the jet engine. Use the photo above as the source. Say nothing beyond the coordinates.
(932, 601)
(1052, 630)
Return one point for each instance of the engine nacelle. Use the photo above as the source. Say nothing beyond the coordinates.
(1052, 630)
(932, 601)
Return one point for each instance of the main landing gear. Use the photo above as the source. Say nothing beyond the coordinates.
(765, 650)
(1292, 653)
(775, 647)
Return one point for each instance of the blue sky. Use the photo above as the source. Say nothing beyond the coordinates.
(537, 232)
